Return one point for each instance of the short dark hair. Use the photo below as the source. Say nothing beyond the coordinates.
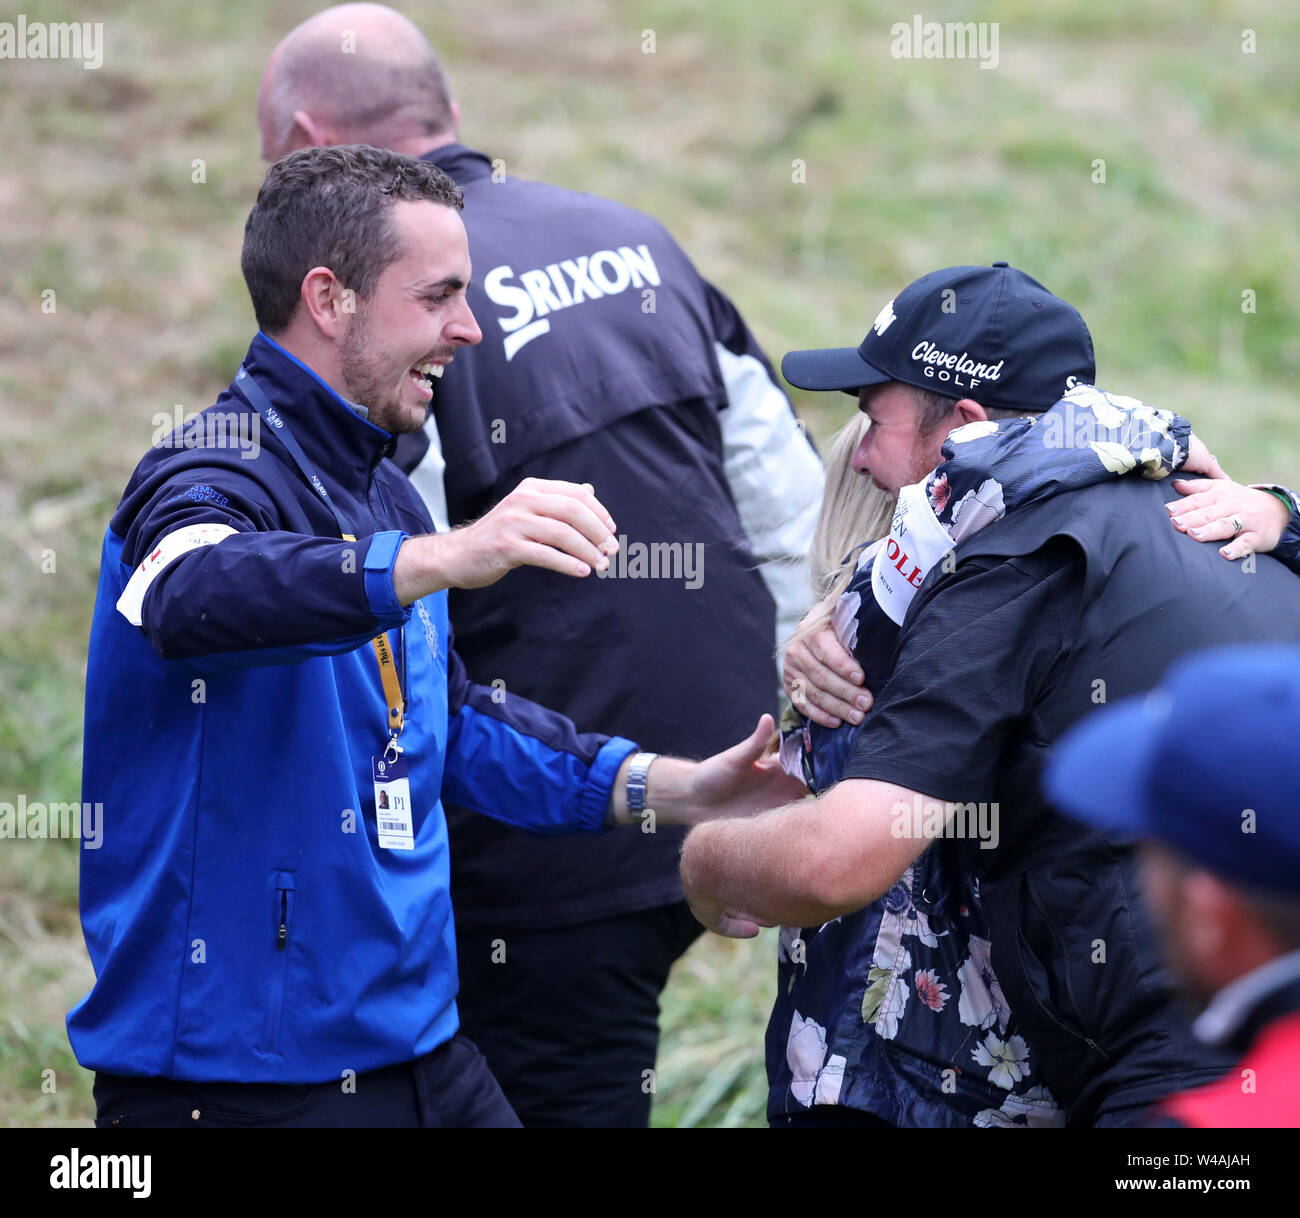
(329, 207)
(935, 407)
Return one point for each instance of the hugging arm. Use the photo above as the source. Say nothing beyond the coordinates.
(983, 648)
(1270, 523)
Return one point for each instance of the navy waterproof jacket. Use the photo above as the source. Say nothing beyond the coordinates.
(243, 921)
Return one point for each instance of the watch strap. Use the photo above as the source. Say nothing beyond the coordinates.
(637, 774)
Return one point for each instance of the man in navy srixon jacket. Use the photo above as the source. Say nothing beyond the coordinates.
(606, 357)
(274, 712)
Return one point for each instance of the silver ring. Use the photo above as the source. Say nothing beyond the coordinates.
(1237, 526)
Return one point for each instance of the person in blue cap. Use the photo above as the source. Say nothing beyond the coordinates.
(1220, 859)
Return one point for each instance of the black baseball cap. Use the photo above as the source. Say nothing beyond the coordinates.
(986, 332)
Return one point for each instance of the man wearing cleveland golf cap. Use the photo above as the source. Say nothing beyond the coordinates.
(1036, 620)
(989, 333)
(1221, 863)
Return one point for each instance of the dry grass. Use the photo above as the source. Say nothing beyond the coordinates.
(910, 165)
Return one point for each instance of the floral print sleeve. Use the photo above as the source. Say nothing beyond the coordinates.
(990, 468)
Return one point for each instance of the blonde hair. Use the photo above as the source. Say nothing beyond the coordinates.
(854, 510)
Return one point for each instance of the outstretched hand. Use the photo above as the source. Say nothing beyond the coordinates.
(745, 778)
(560, 526)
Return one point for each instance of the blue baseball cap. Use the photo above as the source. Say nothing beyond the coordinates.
(985, 332)
(1223, 788)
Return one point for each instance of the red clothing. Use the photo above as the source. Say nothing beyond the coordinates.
(1262, 1091)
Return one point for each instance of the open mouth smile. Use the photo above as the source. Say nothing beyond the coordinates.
(426, 375)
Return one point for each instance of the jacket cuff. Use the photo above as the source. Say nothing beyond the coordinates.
(381, 592)
(1287, 550)
(594, 796)
(1284, 493)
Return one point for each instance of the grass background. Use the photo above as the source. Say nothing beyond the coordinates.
(910, 165)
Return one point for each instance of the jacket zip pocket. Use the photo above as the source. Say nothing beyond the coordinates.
(1079, 1032)
(283, 929)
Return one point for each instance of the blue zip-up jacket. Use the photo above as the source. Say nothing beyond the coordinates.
(243, 922)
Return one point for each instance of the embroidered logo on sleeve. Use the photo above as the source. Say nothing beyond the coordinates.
(430, 630)
(201, 494)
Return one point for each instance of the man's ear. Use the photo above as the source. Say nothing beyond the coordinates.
(455, 119)
(326, 302)
(969, 411)
(306, 132)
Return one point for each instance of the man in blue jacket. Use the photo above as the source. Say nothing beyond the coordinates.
(274, 711)
(606, 357)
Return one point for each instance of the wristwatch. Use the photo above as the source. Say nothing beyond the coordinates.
(636, 781)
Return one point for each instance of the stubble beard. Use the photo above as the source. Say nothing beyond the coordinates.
(927, 452)
(919, 468)
(369, 382)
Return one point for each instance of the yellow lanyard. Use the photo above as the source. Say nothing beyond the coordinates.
(392, 687)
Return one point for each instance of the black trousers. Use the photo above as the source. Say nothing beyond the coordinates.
(450, 1088)
(569, 1019)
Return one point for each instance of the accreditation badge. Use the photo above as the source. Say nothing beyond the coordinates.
(393, 803)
